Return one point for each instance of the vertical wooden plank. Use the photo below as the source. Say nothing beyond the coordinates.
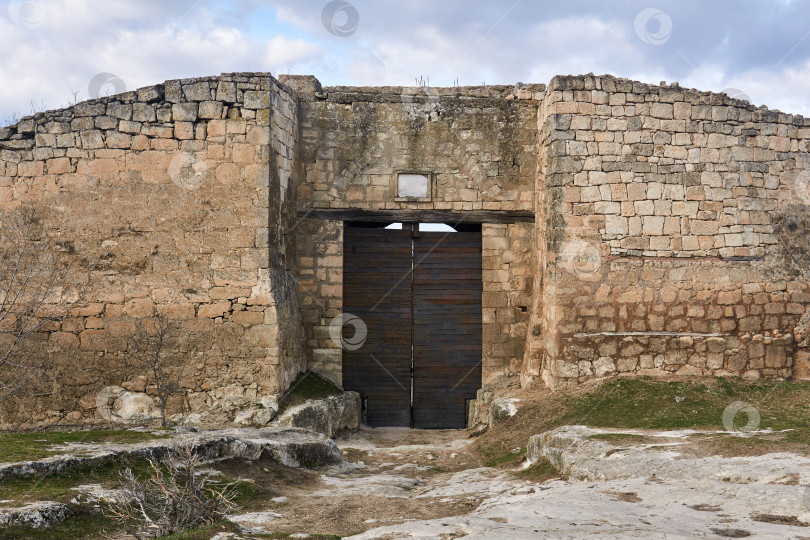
(377, 289)
(447, 327)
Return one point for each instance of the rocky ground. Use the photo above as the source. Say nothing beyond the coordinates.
(638, 490)
(414, 484)
(525, 477)
(390, 476)
(400, 483)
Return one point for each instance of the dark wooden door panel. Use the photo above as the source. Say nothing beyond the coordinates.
(424, 324)
(377, 289)
(447, 327)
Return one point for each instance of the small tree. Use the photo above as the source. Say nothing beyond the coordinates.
(175, 497)
(35, 291)
(153, 350)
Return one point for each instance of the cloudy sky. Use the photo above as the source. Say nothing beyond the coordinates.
(55, 49)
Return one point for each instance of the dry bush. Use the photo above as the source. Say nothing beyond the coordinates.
(36, 291)
(153, 351)
(175, 497)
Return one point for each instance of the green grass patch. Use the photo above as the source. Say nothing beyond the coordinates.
(85, 525)
(496, 457)
(58, 487)
(204, 533)
(649, 404)
(268, 480)
(36, 445)
(308, 385)
(663, 405)
(538, 472)
(618, 438)
(645, 403)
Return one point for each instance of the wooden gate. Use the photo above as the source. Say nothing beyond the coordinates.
(419, 295)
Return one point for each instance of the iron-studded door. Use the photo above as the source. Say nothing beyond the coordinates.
(418, 295)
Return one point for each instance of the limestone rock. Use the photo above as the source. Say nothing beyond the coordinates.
(802, 331)
(264, 416)
(255, 522)
(260, 415)
(478, 429)
(291, 447)
(326, 416)
(244, 418)
(502, 408)
(34, 516)
(116, 404)
(93, 496)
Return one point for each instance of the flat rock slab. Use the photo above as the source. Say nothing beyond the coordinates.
(575, 510)
(291, 447)
(579, 457)
(256, 522)
(631, 491)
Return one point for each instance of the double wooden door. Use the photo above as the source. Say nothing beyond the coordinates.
(419, 296)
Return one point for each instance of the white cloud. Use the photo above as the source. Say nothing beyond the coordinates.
(281, 54)
(713, 45)
(140, 43)
(785, 89)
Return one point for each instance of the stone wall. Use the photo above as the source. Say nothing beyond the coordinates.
(666, 253)
(320, 288)
(670, 231)
(167, 204)
(480, 148)
(508, 252)
(478, 145)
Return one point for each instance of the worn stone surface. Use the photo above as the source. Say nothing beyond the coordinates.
(802, 331)
(579, 457)
(501, 409)
(636, 491)
(118, 405)
(292, 447)
(326, 416)
(255, 522)
(34, 516)
(678, 239)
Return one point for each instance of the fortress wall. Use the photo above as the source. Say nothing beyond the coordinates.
(480, 147)
(540, 329)
(508, 280)
(671, 231)
(673, 242)
(164, 200)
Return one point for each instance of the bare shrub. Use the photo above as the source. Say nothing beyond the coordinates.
(36, 291)
(154, 351)
(175, 497)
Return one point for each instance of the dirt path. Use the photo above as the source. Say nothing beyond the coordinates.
(391, 476)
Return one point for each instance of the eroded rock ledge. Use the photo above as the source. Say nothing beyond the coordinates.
(292, 447)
